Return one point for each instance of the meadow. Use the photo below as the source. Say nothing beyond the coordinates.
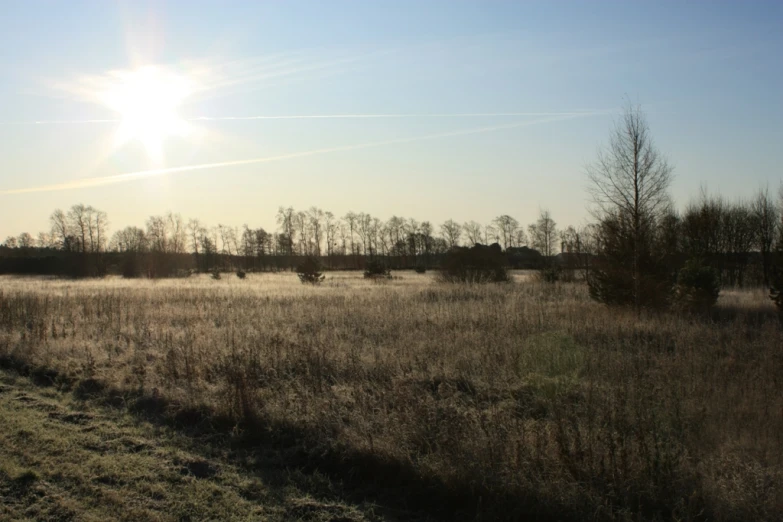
(515, 401)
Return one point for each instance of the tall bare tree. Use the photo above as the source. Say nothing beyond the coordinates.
(629, 186)
(330, 228)
(178, 233)
(25, 240)
(60, 229)
(473, 232)
(543, 233)
(285, 218)
(452, 232)
(506, 227)
(194, 234)
(316, 218)
(766, 215)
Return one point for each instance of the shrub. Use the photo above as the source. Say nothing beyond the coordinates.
(776, 294)
(776, 286)
(628, 270)
(309, 271)
(478, 264)
(550, 274)
(613, 284)
(698, 286)
(420, 269)
(241, 274)
(376, 270)
(216, 273)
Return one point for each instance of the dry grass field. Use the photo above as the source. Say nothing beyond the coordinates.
(515, 401)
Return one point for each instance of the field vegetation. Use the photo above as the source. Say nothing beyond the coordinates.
(511, 401)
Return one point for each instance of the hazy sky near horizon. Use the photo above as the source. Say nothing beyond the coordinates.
(425, 109)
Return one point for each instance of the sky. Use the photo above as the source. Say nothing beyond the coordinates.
(435, 110)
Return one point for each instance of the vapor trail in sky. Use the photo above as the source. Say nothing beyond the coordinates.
(142, 174)
(332, 117)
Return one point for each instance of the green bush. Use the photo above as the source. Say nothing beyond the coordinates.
(698, 286)
(375, 269)
(776, 285)
(550, 274)
(478, 264)
(309, 271)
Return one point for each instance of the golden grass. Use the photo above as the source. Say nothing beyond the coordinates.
(521, 399)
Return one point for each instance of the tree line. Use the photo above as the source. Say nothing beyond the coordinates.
(736, 237)
(341, 242)
(635, 224)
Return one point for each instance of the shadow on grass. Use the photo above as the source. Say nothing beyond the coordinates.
(266, 447)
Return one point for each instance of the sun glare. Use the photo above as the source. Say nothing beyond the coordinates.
(147, 100)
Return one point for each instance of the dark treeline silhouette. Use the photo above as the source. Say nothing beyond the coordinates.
(167, 246)
(630, 255)
(737, 238)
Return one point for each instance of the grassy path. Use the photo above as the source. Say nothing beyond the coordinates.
(62, 459)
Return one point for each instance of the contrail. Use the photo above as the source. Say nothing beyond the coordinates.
(331, 117)
(421, 115)
(131, 176)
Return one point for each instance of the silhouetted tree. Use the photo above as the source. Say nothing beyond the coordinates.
(473, 232)
(506, 228)
(477, 264)
(766, 214)
(543, 234)
(452, 232)
(628, 184)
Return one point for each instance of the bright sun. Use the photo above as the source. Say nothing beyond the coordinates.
(147, 100)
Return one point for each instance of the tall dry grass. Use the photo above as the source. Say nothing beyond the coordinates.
(495, 402)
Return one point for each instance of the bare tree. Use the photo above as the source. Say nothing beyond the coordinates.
(350, 220)
(520, 238)
(331, 228)
(285, 218)
(473, 232)
(25, 240)
(60, 229)
(506, 227)
(570, 241)
(766, 216)
(178, 233)
(158, 234)
(491, 234)
(364, 229)
(543, 233)
(628, 184)
(316, 217)
(228, 240)
(45, 240)
(79, 221)
(101, 226)
(129, 239)
(302, 226)
(194, 233)
(451, 231)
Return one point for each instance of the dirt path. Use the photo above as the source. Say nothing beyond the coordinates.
(63, 460)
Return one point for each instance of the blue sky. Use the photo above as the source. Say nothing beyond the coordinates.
(497, 106)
